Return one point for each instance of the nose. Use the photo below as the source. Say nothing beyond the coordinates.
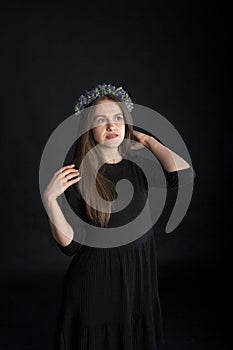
(110, 125)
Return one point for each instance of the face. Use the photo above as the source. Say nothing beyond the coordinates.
(108, 121)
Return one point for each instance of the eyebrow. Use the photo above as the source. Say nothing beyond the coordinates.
(101, 115)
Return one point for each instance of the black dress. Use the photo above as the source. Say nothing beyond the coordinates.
(110, 297)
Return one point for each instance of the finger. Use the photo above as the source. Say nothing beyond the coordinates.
(71, 182)
(71, 176)
(69, 172)
(64, 168)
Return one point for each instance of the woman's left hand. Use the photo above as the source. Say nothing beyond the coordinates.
(140, 140)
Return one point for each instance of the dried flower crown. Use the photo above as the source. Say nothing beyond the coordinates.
(99, 91)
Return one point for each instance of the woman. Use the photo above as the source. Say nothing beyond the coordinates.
(110, 297)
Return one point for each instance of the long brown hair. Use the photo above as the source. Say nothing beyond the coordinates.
(98, 211)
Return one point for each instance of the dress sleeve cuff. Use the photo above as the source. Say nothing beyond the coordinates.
(69, 249)
(186, 176)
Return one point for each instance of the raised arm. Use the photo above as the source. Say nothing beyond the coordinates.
(169, 160)
(61, 229)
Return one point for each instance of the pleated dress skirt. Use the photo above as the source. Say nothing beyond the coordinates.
(110, 299)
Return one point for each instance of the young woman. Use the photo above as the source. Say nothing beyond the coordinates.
(110, 297)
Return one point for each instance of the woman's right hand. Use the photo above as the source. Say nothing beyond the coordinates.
(61, 180)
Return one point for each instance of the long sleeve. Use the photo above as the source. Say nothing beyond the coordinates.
(70, 201)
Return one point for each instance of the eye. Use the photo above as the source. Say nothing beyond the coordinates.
(99, 120)
(120, 117)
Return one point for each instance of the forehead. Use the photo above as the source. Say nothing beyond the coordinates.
(107, 108)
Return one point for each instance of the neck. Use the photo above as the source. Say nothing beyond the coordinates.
(111, 156)
(113, 161)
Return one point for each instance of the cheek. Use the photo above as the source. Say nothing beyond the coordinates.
(97, 134)
(123, 130)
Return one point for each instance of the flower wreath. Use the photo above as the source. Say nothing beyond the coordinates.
(102, 90)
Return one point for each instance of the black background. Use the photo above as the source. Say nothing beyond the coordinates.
(171, 58)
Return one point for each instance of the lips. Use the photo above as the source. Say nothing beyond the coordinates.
(111, 136)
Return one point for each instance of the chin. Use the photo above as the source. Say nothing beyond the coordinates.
(115, 145)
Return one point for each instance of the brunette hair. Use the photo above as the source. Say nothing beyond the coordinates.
(99, 211)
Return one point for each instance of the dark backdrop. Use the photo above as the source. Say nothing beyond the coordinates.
(170, 58)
